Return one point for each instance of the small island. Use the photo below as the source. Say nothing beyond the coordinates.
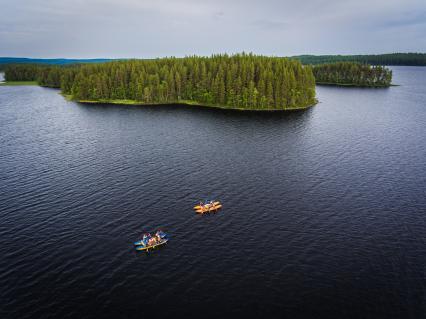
(352, 74)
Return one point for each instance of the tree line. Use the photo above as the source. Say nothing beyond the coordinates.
(415, 59)
(242, 80)
(351, 73)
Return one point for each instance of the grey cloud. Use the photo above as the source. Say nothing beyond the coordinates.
(406, 19)
(270, 24)
(142, 28)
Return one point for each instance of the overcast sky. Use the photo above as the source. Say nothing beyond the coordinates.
(142, 28)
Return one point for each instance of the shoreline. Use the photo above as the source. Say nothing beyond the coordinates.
(18, 83)
(184, 103)
(354, 85)
(139, 103)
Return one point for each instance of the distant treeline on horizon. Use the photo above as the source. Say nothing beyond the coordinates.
(5, 61)
(409, 59)
(413, 59)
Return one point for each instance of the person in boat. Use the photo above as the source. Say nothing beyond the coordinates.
(201, 204)
(211, 204)
(158, 235)
(145, 241)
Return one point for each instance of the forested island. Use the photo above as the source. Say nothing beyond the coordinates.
(352, 74)
(241, 81)
(414, 59)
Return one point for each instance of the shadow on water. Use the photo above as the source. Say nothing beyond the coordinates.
(206, 114)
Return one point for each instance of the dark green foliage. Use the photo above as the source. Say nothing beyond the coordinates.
(28, 72)
(45, 75)
(380, 59)
(243, 81)
(350, 73)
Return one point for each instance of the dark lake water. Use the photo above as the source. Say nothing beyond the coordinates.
(324, 209)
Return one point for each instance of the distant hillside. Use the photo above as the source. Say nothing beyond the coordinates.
(416, 59)
(8, 60)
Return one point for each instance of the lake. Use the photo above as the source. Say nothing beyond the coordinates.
(323, 210)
